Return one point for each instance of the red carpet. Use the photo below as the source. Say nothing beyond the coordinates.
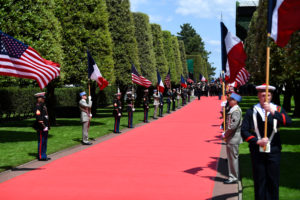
(171, 158)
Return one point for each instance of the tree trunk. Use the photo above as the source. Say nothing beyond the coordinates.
(287, 97)
(51, 102)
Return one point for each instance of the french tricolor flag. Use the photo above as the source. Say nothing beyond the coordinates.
(233, 54)
(94, 72)
(183, 83)
(284, 20)
(202, 78)
(160, 84)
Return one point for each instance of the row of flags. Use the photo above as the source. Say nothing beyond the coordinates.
(20, 60)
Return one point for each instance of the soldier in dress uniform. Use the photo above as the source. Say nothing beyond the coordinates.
(177, 97)
(265, 151)
(41, 125)
(85, 116)
(232, 137)
(198, 91)
(183, 96)
(155, 103)
(161, 104)
(146, 105)
(189, 93)
(169, 98)
(130, 107)
(174, 97)
(117, 112)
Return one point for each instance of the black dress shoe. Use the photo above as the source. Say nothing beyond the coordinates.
(230, 181)
(87, 143)
(45, 159)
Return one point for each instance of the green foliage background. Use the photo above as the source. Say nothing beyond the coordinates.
(158, 45)
(143, 35)
(62, 31)
(125, 49)
(183, 58)
(178, 63)
(170, 55)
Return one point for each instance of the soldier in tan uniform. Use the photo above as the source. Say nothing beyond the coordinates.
(233, 138)
(85, 116)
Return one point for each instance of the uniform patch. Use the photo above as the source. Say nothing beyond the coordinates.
(38, 112)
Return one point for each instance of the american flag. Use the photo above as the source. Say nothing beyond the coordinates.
(138, 79)
(168, 79)
(242, 77)
(20, 60)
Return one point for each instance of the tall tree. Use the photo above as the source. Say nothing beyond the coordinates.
(158, 45)
(169, 52)
(178, 63)
(192, 40)
(143, 35)
(183, 58)
(87, 28)
(125, 49)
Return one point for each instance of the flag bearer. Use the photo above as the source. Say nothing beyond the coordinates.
(233, 138)
(265, 151)
(130, 108)
(169, 97)
(41, 125)
(155, 103)
(161, 104)
(117, 112)
(85, 116)
(146, 105)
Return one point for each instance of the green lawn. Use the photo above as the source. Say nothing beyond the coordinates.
(290, 160)
(19, 140)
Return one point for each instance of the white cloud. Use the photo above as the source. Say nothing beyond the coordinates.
(158, 18)
(206, 8)
(214, 42)
(155, 18)
(135, 3)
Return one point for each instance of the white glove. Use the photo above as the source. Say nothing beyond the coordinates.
(45, 129)
(223, 104)
(90, 98)
(223, 135)
(133, 109)
(91, 115)
(119, 114)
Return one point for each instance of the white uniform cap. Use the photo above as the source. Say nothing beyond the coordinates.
(263, 87)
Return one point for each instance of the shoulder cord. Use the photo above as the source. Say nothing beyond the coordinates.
(256, 127)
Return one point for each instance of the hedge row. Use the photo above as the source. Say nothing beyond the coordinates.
(22, 100)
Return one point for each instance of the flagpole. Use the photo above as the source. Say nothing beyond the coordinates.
(223, 91)
(89, 86)
(267, 84)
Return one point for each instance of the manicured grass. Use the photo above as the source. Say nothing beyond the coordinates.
(290, 160)
(19, 140)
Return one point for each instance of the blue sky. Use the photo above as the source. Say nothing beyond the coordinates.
(203, 15)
